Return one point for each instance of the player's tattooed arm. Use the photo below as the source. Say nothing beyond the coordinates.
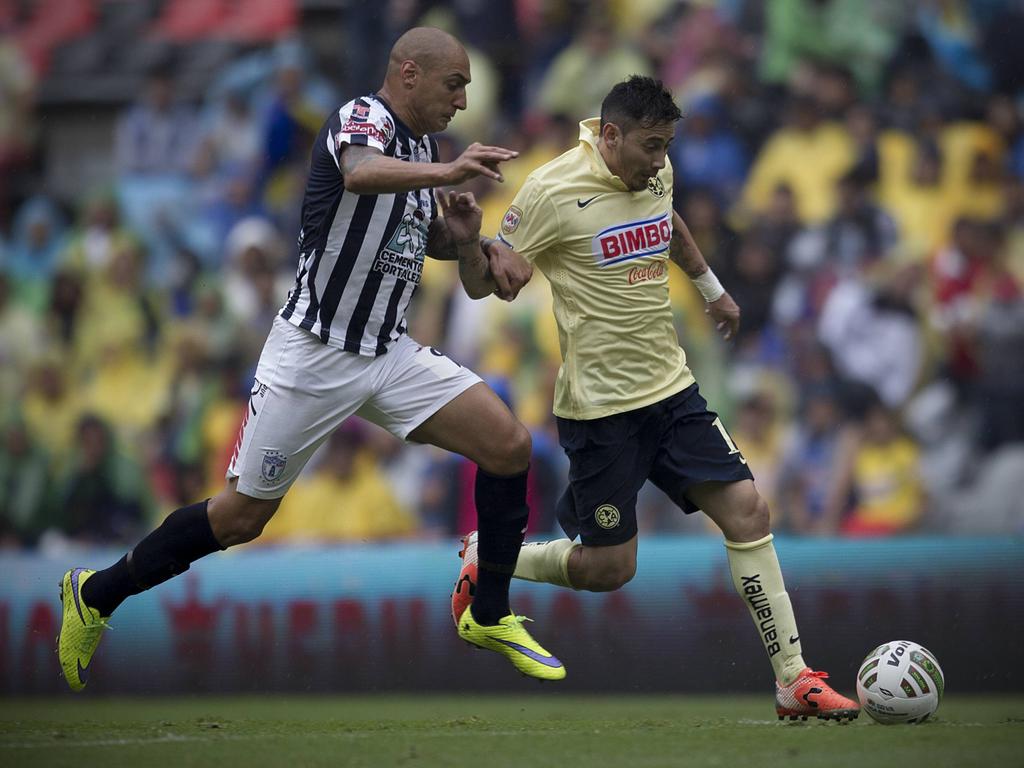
(441, 244)
(684, 252)
(462, 221)
(683, 249)
(368, 171)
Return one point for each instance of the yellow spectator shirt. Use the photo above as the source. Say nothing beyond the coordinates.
(604, 250)
(888, 484)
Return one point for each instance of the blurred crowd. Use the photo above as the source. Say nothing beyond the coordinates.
(853, 170)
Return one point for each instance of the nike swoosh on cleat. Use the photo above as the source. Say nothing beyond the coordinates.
(83, 672)
(585, 203)
(547, 661)
(74, 591)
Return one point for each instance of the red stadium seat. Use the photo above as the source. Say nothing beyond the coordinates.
(53, 22)
(8, 13)
(187, 20)
(259, 20)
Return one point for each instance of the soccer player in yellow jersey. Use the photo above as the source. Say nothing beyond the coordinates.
(598, 222)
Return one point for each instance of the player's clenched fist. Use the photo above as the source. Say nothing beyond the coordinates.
(509, 270)
(478, 160)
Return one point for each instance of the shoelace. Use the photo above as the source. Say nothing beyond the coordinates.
(830, 695)
(91, 630)
(808, 673)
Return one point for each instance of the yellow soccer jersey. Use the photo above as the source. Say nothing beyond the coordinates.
(604, 250)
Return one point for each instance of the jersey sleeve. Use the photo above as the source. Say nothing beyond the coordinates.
(361, 122)
(530, 225)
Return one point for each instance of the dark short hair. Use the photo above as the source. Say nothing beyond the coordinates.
(639, 101)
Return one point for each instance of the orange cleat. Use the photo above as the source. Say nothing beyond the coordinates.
(810, 696)
(465, 587)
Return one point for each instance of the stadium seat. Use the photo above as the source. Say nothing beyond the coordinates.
(8, 14)
(259, 20)
(187, 20)
(53, 22)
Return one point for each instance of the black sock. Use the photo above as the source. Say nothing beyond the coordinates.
(502, 515)
(184, 537)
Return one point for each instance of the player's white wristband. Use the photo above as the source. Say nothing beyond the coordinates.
(709, 286)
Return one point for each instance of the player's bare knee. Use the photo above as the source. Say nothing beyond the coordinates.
(245, 528)
(760, 518)
(607, 575)
(510, 451)
(237, 519)
(751, 520)
(612, 577)
(520, 446)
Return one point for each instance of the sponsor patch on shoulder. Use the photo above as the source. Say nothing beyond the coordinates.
(510, 223)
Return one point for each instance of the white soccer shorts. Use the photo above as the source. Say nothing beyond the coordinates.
(305, 389)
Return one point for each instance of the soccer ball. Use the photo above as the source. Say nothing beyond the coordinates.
(900, 682)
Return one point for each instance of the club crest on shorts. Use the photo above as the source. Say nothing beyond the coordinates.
(607, 516)
(273, 466)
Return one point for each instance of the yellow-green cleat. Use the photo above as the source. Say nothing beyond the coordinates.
(80, 629)
(510, 638)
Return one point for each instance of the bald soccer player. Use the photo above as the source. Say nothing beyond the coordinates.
(339, 347)
(598, 222)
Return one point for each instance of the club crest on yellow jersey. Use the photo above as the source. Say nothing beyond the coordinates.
(655, 187)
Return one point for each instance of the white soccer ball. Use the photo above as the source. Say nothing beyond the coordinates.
(900, 682)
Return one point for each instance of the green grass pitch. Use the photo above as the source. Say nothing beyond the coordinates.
(491, 732)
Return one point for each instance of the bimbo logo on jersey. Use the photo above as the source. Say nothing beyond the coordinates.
(632, 240)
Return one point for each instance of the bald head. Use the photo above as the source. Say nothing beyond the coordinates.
(428, 71)
(429, 47)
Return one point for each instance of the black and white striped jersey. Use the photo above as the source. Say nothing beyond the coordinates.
(360, 256)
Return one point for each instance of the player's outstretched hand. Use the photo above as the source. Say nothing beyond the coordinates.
(509, 270)
(461, 214)
(479, 160)
(726, 315)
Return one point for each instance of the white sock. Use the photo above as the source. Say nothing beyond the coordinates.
(758, 579)
(546, 561)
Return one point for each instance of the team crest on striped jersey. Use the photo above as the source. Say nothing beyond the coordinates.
(403, 255)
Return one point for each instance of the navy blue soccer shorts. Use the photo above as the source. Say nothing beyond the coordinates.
(675, 443)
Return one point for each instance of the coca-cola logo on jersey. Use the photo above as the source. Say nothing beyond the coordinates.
(646, 272)
(632, 240)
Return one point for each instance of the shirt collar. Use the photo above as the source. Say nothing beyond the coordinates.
(590, 131)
